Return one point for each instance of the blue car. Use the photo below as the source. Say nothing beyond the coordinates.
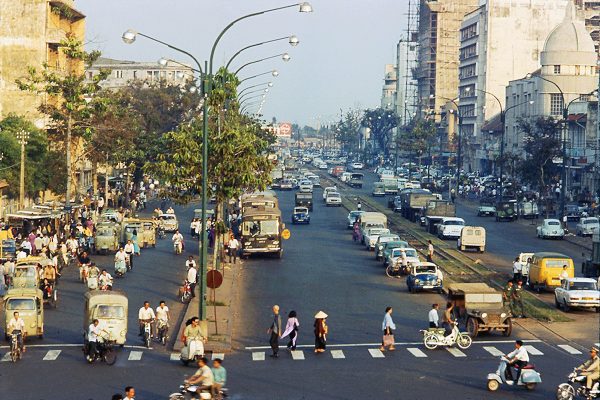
(300, 215)
(424, 276)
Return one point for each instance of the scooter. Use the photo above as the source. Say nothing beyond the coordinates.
(434, 337)
(162, 329)
(529, 377)
(120, 270)
(187, 392)
(567, 391)
(192, 351)
(83, 272)
(177, 247)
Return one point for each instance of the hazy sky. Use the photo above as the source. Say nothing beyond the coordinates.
(339, 63)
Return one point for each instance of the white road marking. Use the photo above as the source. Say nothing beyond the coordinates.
(337, 354)
(175, 356)
(258, 356)
(135, 355)
(533, 351)
(298, 355)
(493, 351)
(569, 349)
(6, 357)
(376, 353)
(218, 355)
(455, 352)
(416, 352)
(597, 344)
(52, 355)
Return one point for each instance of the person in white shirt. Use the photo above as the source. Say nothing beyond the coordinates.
(129, 250)
(162, 318)
(434, 317)
(177, 239)
(94, 331)
(146, 314)
(203, 376)
(170, 211)
(190, 262)
(21, 254)
(564, 274)
(234, 246)
(191, 277)
(16, 325)
(26, 246)
(519, 358)
(105, 280)
(517, 270)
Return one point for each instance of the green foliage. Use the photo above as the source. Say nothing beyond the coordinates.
(347, 131)
(421, 138)
(380, 122)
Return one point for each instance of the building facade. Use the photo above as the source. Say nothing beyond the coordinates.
(30, 35)
(388, 91)
(500, 41)
(589, 10)
(406, 84)
(123, 73)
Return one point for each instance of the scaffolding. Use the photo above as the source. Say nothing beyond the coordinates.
(411, 59)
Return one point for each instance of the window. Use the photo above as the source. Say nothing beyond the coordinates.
(556, 104)
(468, 32)
(467, 111)
(118, 74)
(134, 74)
(467, 71)
(468, 52)
(557, 69)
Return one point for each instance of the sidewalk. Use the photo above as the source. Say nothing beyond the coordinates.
(219, 335)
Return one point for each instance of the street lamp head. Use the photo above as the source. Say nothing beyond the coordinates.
(275, 73)
(266, 91)
(286, 57)
(305, 7)
(529, 75)
(294, 41)
(163, 62)
(270, 84)
(468, 89)
(531, 101)
(129, 36)
(432, 96)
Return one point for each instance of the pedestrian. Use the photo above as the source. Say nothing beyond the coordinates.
(388, 328)
(129, 393)
(291, 329)
(517, 270)
(321, 331)
(517, 300)
(434, 318)
(448, 321)
(429, 251)
(117, 396)
(564, 274)
(358, 206)
(275, 331)
(134, 241)
(192, 274)
(233, 249)
(565, 221)
(507, 293)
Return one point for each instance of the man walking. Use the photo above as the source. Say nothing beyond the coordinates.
(517, 300)
(434, 317)
(233, 249)
(275, 331)
(430, 251)
(192, 274)
(517, 270)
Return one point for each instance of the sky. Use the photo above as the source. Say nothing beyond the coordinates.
(339, 63)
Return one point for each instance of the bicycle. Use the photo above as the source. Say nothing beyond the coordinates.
(16, 351)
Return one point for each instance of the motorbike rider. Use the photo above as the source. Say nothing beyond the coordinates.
(105, 280)
(448, 320)
(129, 251)
(162, 314)
(591, 368)
(193, 331)
(518, 358)
(146, 314)
(120, 260)
(203, 376)
(94, 331)
(16, 326)
(219, 376)
(177, 239)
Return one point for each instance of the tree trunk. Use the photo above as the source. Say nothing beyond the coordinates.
(95, 176)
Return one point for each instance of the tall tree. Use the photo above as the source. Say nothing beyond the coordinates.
(381, 122)
(347, 130)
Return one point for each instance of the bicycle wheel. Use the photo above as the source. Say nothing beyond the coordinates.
(391, 271)
(14, 354)
(110, 357)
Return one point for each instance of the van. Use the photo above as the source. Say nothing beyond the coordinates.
(472, 237)
(545, 269)
(371, 220)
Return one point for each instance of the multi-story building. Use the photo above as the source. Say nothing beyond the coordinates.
(499, 41)
(388, 92)
(30, 36)
(406, 84)
(568, 63)
(590, 11)
(125, 72)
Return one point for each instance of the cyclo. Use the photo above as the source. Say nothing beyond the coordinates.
(110, 308)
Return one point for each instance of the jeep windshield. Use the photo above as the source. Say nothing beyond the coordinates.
(483, 300)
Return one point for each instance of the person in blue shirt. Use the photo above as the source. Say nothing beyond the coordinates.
(388, 328)
(219, 377)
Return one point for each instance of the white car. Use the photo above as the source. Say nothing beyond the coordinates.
(333, 199)
(550, 228)
(306, 186)
(577, 292)
(450, 227)
(381, 240)
(587, 226)
(316, 181)
(358, 165)
(371, 236)
(329, 189)
(412, 256)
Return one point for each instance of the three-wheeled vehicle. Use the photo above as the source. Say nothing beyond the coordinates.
(27, 274)
(28, 302)
(472, 237)
(107, 237)
(147, 237)
(110, 308)
(130, 225)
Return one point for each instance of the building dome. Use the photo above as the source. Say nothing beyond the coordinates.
(569, 43)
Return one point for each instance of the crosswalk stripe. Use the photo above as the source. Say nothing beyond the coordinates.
(298, 355)
(416, 352)
(376, 353)
(220, 356)
(6, 357)
(135, 355)
(51, 355)
(175, 356)
(493, 351)
(455, 352)
(569, 349)
(337, 354)
(258, 356)
(533, 351)
(597, 344)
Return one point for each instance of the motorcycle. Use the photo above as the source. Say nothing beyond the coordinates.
(83, 272)
(434, 337)
(120, 270)
(187, 391)
(147, 333)
(16, 351)
(186, 292)
(104, 351)
(92, 280)
(162, 329)
(192, 351)
(529, 377)
(567, 391)
(161, 233)
(177, 247)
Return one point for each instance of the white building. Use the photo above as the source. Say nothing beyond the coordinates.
(388, 92)
(125, 72)
(406, 84)
(500, 41)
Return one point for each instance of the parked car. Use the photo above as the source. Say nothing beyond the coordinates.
(572, 212)
(300, 215)
(550, 228)
(306, 186)
(381, 241)
(352, 215)
(412, 257)
(333, 199)
(506, 211)
(388, 248)
(450, 227)
(424, 276)
(357, 165)
(486, 207)
(327, 190)
(315, 179)
(545, 270)
(577, 292)
(371, 236)
(587, 226)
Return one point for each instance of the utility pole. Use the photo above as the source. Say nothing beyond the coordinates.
(22, 137)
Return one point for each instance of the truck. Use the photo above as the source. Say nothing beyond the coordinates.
(414, 201)
(433, 213)
(304, 200)
(591, 267)
(390, 184)
(356, 180)
(337, 170)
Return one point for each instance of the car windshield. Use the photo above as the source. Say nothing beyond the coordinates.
(20, 304)
(454, 222)
(386, 239)
(354, 214)
(255, 228)
(108, 311)
(375, 231)
(335, 195)
(583, 286)
(411, 253)
(422, 269)
(557, 263)
(591, 221)
(301, 210)
(553, 223)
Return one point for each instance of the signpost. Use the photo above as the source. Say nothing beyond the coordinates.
(214, 280)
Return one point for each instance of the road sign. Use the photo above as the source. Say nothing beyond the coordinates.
(285, 129)
(214, 279)
(286, 234)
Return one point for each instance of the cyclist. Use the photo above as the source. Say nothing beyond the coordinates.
(16, 326)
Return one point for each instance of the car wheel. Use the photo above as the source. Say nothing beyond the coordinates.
(556, 303)
(566, 307)
(508, 330)
(472, 327)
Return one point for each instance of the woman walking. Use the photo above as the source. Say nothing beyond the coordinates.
(388, 328)
(136, 245)
(321, 331)
(291, 329)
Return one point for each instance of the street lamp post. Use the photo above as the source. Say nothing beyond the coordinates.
(293, 41)
(273, 73)
(284, 56)
(22, 137)
(459, 135)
